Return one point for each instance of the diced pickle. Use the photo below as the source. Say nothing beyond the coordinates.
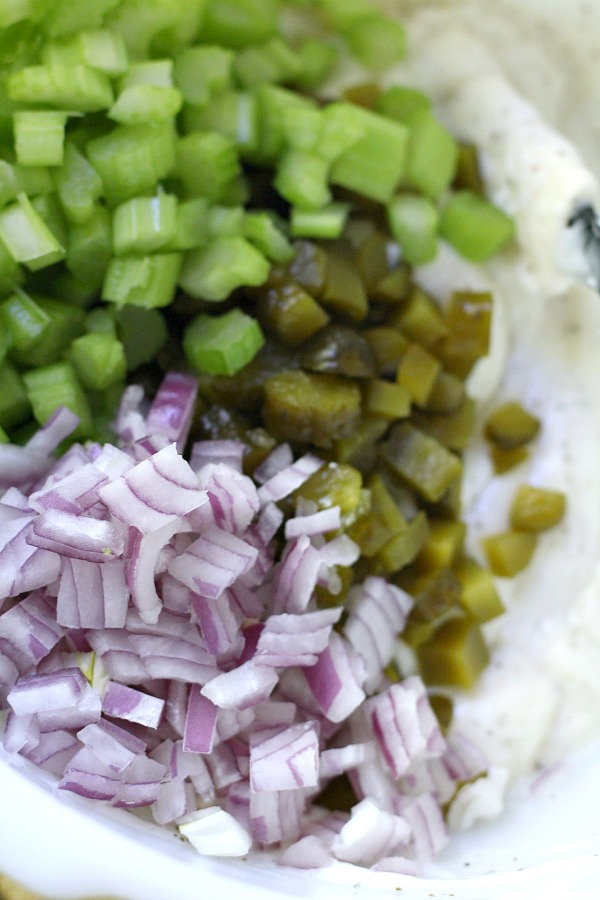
(436, 599)
(469, 317)
(311, 408)
(340, 350)
(478, 596)
(259, 443)
(425, 464)
(309, 266)
(536, 509)
(343, 291)
(370, 533)
(327, 598)
(388, 344)
(468, 174)
(420, 318)
(403, 547)
(446, 395)
(417, 372)
(290, 313)
(504, 460)
(335, 484)
(394, 287)
(444, 543)
(510, 425)
(359, 447)
(443, 708)
(384, 398)
(373, 259)
(509, 552)
(454, 430)
(385, 505)
(456, 654)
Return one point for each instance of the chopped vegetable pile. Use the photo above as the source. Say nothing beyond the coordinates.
(240, 602)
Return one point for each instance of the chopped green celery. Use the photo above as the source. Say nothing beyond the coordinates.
(39, 137)
(97, 48)
(64, 322)
(144, 224)
(401, 103)
(374, 165)
(156, 29)
(225, 221)
(303, 128)
(4, 438)
(14, 11)
(67, 17)
(24, 319)
(265, 231)
(271, 62)
(49, 209)
(214, 271)
(78, 185)
(274, 103)
(27, 237)
(142, 332)
(202, 71)
(149, 281)
(191, 224)
(376, 41)
(326, 223)
(301, 179)
(14, 403)
(234, 114)
(343, 14)
(237, 23)
(414, 221)
(151, 72)
(432, 155)
(33, 180)
(145, 103)
(9, 182)
(316, 59)
(132, 159)
(99, 360)
(207, 163)
(77, 88)
(222, 345)
(341, 130)
(89, 248)
(49, 387)
(475, 227)
(101, 320)
(70, 289)
(11, 273)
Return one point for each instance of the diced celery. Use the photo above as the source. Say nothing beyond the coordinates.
(225, 221)
(234, 114)
(67, 17)
(327, 223)
(149, 281)
(77, 88)
(24, 319)
(34, 180)
(89, 248)
(101, 320)
(343, 14)
(214, 271)
(39, 137)
(374, 164)
(151, 72)
(145, 103)
(142, 332)
(414, 222)
(432, 155)
(11, 273)
(316, 59)
(376, 42)
(341, 130)
(78, 185)
(9, 182)
(14, 403)
(401, 103)
(144, 224)
(63, 323)
(151, 30)
(49, 210)
(132, 159)
(202, 71)
(303, 128)
(99, 360)
(301, 179)
(475, 227)
(57, 385)
(264, 231)
(236, 23)
(274, 103)
(206, 164)
(191, 224)
(27, 237)
(271, 62)
(222, 345)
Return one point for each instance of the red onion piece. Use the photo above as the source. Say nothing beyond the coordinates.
(295, 640)
(285, 758)
(296, 576)
(200, 723)
(370, 834)
(77, 536)
(289, 479)
(92, 595)
(233, 497)
(241, 687)
(213, 562)
(229, 452)
(24, 567)
(122, 702)
(173, 407)
(333, 679)
(316, 523)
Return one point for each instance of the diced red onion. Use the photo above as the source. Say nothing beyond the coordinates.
(122, 702)
(307, 853)
(28, 632)
(113, 746)
(21, 466)
(241, 687)
(92, 595)
(281, 457)
(24, 567)
(276, 816)
(285, 758)
(219, 621)
(21, 733)
(296, 576)
(53, 751)
(336, 760)
(55, 429)
(370, 834)
(78, 536)
(172, 409)
(333, 679)
(35, 694)
(215, 832)
(317, 523)
(295, 640)
(233, 497)
(213, 562)
(141, 568)
(74, 493)
(200, 723)
(229, 452)
(289, 479)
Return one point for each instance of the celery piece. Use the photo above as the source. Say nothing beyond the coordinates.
(97, 48)
(475, 227)
(401, 103)
(11, 273)
(16, 11)
(206, 164)
(343, 14)
(67, 17)
(191, 224)
(202, 71)
(151, 72)
(77, 88)
(144, 224)
(14, 403)
(274, 104)
(4, 438)
(327, 223)
(265, 231)
(214, 271)
(49, 387)
(234, 114)
(49, 210)
(222, 345)
(225, 221)
(413, 221)
(78, 185)
(132, 159)
(374, 165)
(89, 248)
(156, 29)
(376, 41)
(9, 182)
(340, 130)
(63, 323)
(142, 332)
(432, 155)
(236, 23)
(101, 320)
(301, 179)
(33, 180)
(316, 59)
(145, 103)
(99, 360)
(39, 137)
(303, 128)
(27, 237)
(149, 281)
(271, 62)
(24, 320)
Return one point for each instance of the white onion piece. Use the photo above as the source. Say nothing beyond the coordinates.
(307, 853)
(370, 834)
(214, 832)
